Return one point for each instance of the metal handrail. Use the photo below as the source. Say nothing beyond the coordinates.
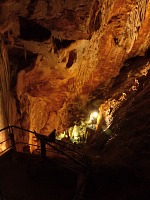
(68, 144)
(5, 150)
(77, 161)
(74, 151)
(46, 142)
(49, 144)
(5, 141)
(7, 127)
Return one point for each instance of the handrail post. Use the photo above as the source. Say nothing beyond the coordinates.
(43, 148)
(11, 134)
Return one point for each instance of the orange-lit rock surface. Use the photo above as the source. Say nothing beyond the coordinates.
(66, 53)
(70, 57)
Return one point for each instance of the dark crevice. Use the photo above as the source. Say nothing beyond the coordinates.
(95, 19)
(31, 7)
(24, 60)
(72, 58)
(30, 30)
(98, 21)
(61, 44)
(147, 53)
(116, 41)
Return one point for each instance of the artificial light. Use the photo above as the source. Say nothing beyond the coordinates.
(94, 114)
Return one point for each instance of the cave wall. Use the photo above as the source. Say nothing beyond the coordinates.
(120, 155)
(77, 48)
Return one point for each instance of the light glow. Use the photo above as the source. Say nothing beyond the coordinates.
(94, 114)
(93, 117)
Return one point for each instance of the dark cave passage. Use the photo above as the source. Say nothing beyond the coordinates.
(30, 30)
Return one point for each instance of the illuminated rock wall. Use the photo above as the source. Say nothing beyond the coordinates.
(79, 47)
(2, 125)
(4, 93)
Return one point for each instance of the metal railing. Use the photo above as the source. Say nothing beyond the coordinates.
(19, 141)
(44, 148)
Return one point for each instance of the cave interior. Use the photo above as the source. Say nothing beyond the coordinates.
(79, 70)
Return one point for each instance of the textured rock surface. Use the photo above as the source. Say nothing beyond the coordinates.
(124, 159)
(69, 57)
(67, 52)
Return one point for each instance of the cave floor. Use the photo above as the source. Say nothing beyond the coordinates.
(28, 178)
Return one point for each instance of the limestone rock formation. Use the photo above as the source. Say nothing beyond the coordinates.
(69, 57)
(66, 53)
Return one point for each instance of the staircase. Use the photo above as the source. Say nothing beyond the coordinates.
(61, 155)
(29, 177)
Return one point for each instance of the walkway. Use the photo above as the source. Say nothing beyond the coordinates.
(26, 177)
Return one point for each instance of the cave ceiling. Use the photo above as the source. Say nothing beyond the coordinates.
(68, 56)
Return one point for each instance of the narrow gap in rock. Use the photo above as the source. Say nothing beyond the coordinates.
(98, 21)
(72, 58)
